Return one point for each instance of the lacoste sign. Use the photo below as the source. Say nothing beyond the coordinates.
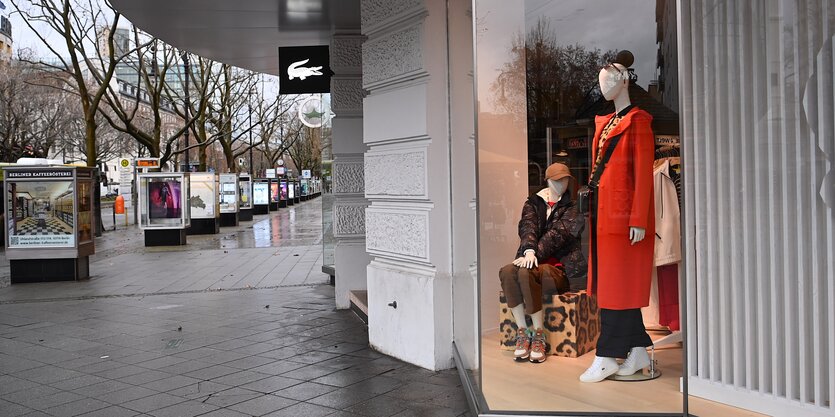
(304, 69)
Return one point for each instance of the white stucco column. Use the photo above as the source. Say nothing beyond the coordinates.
(349, 205)
(407, 180)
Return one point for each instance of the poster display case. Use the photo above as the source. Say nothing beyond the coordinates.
(284, 196)
(296, 191)
(304, 189)
(49, 222)
(275, 194)
(261, 196)
(229, 191)
(163, 202)
(291, 193)
(203, 204)
(245, 195)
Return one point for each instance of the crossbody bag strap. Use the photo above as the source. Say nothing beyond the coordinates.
(598, 172)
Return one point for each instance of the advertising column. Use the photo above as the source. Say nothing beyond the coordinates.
(49, 223)
(229, 199)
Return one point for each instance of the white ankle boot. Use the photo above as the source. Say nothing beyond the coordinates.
(638, 359)
(600, 369)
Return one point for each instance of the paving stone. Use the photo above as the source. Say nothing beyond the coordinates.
(303, 409)
(382, 406)
(128, 394)
(153, 402)
(84, 405)
(263, 405)
(231, 396)
(342, 398)
(188, 408)
(112, 411)
(13, 410)
(305, 391)
(271, 384)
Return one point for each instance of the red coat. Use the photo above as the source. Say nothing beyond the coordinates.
(625, 199)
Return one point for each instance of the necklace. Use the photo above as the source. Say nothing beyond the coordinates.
(604, 135)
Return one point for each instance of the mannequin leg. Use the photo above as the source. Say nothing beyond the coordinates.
(519, 316)
(538, 319)
(622, 334)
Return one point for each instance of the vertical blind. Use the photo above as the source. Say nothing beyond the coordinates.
(759, 147)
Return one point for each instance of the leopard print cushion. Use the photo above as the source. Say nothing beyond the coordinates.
(572, 324)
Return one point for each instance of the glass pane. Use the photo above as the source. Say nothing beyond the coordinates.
(260, 193)
(85, 211)
(41, 214)
(465, 265)
(203, 198)
(229, 193)
(245, 185)
(561, 84)
(163, 199)
(328, 241)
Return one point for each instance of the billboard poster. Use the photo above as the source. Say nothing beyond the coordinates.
(41, 214)
(274, 192)
(284, 190)
(260, 193)
(164, 199)
(202, 199)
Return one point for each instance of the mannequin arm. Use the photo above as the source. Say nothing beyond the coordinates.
(636, 234)
(642, 142)
(528, 227)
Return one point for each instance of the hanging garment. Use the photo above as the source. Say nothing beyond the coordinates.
(667, 217)
(668, 309)
(624, 200)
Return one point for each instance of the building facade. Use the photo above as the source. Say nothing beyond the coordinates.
(437, 105)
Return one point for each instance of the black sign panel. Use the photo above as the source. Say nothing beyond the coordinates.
(304, 70)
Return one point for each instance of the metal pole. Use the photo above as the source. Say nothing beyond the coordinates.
(249, 106)
(186, 67)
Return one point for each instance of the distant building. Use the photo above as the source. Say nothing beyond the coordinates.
(5, 39)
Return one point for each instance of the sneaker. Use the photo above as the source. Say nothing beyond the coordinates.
(637, 359)
(523, 345)
(600, 369)
(538, 353)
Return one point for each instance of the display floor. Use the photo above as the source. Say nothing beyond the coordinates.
(554, 386)
(49, 225)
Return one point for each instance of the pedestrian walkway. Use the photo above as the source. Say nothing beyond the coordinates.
(235, 324)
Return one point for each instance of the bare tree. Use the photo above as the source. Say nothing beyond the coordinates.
(306, 151)
(278, 133)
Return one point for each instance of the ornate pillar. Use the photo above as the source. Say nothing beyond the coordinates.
(407, 180)
(349, 204)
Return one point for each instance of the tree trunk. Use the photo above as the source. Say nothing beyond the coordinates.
(92, 161)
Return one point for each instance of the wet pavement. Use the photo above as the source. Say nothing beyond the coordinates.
(235, 324)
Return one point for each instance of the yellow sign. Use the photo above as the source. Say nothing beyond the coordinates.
(124, 162)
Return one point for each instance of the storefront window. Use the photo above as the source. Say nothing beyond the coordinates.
(565, 88)
(710, 126)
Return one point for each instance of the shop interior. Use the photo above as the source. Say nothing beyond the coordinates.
(43, 208)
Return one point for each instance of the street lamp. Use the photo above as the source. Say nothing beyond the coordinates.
(184, 55)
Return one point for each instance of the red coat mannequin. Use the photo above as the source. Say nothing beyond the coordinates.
(625, 216)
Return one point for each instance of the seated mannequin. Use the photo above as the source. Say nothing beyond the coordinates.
(549, 255)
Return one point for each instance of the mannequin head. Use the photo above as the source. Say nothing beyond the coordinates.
(614, 81)
(558, 187)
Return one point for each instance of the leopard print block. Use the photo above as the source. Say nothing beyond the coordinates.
(572, 324)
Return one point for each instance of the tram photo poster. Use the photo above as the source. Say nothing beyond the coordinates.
(41, 214)
(164, 199)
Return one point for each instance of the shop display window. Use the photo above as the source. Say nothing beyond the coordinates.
(569, 305)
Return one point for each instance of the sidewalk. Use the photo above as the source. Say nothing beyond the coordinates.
(233, 324)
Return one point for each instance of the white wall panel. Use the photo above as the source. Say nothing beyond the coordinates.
(759, 145)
